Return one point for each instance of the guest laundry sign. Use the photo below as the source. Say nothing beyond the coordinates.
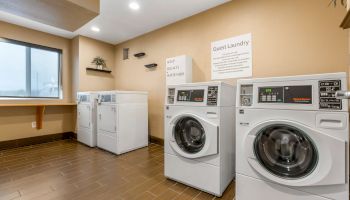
(178, 70)
(232, 57)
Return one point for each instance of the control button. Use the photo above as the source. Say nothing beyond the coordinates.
(274, 97)
(268, 98)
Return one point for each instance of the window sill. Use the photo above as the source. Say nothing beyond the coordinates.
(30, 99)
(36, 104)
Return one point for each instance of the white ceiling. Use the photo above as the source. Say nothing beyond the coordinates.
(118, 23)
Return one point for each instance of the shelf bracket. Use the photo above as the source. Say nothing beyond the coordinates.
(39, 116)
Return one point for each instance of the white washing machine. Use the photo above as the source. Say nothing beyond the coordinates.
(122, 122)
(292, 138)
(86, 118)
(199, 135)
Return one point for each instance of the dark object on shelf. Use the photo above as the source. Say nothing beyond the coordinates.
(334, 2)
(151, 65)
(139, 55)
(346, 21)
(99, 70)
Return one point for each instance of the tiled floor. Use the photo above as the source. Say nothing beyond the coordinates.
(68, 170)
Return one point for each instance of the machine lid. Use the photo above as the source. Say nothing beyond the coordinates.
(189, 134)
(285, 151)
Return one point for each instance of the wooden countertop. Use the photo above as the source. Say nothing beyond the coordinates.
(40, 109)
(37, 104)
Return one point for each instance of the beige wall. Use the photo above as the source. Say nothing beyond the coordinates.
(15, 122)
(289, 38)
(88, 49)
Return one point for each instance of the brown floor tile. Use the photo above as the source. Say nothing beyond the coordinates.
(69, 170)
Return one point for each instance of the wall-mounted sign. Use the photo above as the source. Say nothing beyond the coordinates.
(178, 70)
(232, 57)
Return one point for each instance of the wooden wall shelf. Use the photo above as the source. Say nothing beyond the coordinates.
(153, 65)
(40, 110)
(99, 70)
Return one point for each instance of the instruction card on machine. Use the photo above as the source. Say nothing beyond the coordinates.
(232, 57)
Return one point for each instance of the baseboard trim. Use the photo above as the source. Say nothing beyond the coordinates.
(10, 144)
(156, 140)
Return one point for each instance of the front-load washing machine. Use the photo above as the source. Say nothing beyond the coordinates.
(292, 138)
(86, 118)
(199, 135)
(122, 120)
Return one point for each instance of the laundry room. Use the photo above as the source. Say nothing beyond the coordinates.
(186, 99)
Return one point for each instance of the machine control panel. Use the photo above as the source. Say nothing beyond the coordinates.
(190, 95)
(297, 94)
(246, 95)
(212, 98)
(85, 98)
(107, 98)
(171, 95)
(327, 97)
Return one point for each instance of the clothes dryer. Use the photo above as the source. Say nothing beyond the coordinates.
(122, 121)
(86, 118)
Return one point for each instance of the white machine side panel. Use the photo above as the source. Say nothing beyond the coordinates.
(132, 127)
(86, 136)
(227, 145)
(84, 115)
(228, 95)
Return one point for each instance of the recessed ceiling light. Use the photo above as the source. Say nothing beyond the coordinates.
(134, 6)
(95, 29)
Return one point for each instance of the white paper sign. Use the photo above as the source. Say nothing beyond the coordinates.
(178, 70)
(232, 57)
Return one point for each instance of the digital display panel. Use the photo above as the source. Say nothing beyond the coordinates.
(190, 95)
(298, 94)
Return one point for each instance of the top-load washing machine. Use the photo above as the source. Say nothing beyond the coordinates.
(86, 118)
(292, 138)
(199, 135)
(122, 121)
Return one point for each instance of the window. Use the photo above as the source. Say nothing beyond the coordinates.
(29, 70)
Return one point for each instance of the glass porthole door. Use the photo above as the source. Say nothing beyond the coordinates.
(189, 135)
(285, 151)
(193, 136)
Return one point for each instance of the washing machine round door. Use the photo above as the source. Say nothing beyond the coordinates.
(285, 151)
(189, 134)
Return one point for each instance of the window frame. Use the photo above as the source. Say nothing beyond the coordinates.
(29, 46)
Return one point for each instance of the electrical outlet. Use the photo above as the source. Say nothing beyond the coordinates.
(33, 124)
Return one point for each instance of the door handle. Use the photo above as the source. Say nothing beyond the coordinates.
(342, 94)
(99, 116)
